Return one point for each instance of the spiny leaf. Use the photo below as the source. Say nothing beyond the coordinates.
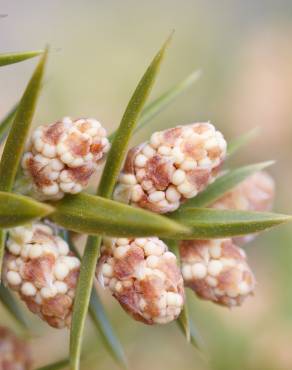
(188, 328)
(215, 223)
(11, 58)
(236, 144)
(195, 337)
(111, 341)
(12, 307)
(20, 128)
(111, 171)
(163, 101)
(6, 123)
(101, 321)
(18, 134)
(82, 299)
(155, 107)
(56, 366)
(128, 124)
(183, 319)
(17, 209)
(173, 247)
(223, 184)
(92, 214)
(184, 323)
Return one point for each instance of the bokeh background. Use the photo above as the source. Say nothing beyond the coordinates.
(99, 50)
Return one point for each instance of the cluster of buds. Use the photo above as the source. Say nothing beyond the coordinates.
(217, 270)
(61, 157)
(256, 193)
(144, 277)
(41, 268)
(173, 166)
(159, 175)
(14, 352)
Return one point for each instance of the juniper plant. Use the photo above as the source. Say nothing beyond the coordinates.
(165, 215)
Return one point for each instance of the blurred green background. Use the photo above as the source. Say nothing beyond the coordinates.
(99, 50)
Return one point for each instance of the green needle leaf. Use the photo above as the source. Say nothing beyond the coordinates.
(6, 123)
(100, 320)
(18, 134)
(127, 126)
(11, 58)
(215, 223)
(183, 319)
(223, 184)
(20, 128)
(188, 328)
(183, 322)
(236, 144)
(82, 299)
(159, 104)
(17, 210)
(12, 307)
(195, 336)
(56, 366)
(110, 173)
(163, 101)
(111, 341)
(92, 214)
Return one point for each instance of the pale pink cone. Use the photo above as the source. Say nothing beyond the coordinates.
(39, 266)
(216, 270)
(172, 166)
(61, 157)
(144, 277)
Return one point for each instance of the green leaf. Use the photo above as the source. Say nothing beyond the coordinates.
(110, 339)
(56, 366)
(18, 134)
(164, 100)
(183, 319)
(195, 337)
(236, 144)
(215, 223)
(127, 126)
(173, 247)
(184, 323)
(8, 301)
(20, 128)
(100, 320)
(223, 184)
(92, 214)
(11, 58)
(159, 104)
(6, 123)
(17, 209)
(188, 329)
(82, 299)
(110, 173)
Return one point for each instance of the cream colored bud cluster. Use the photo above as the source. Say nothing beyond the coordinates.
(41, 268)
(174, 165)
(255, 193)
(144, 277)
(216, 270)
(62, 156)
(14, 352)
